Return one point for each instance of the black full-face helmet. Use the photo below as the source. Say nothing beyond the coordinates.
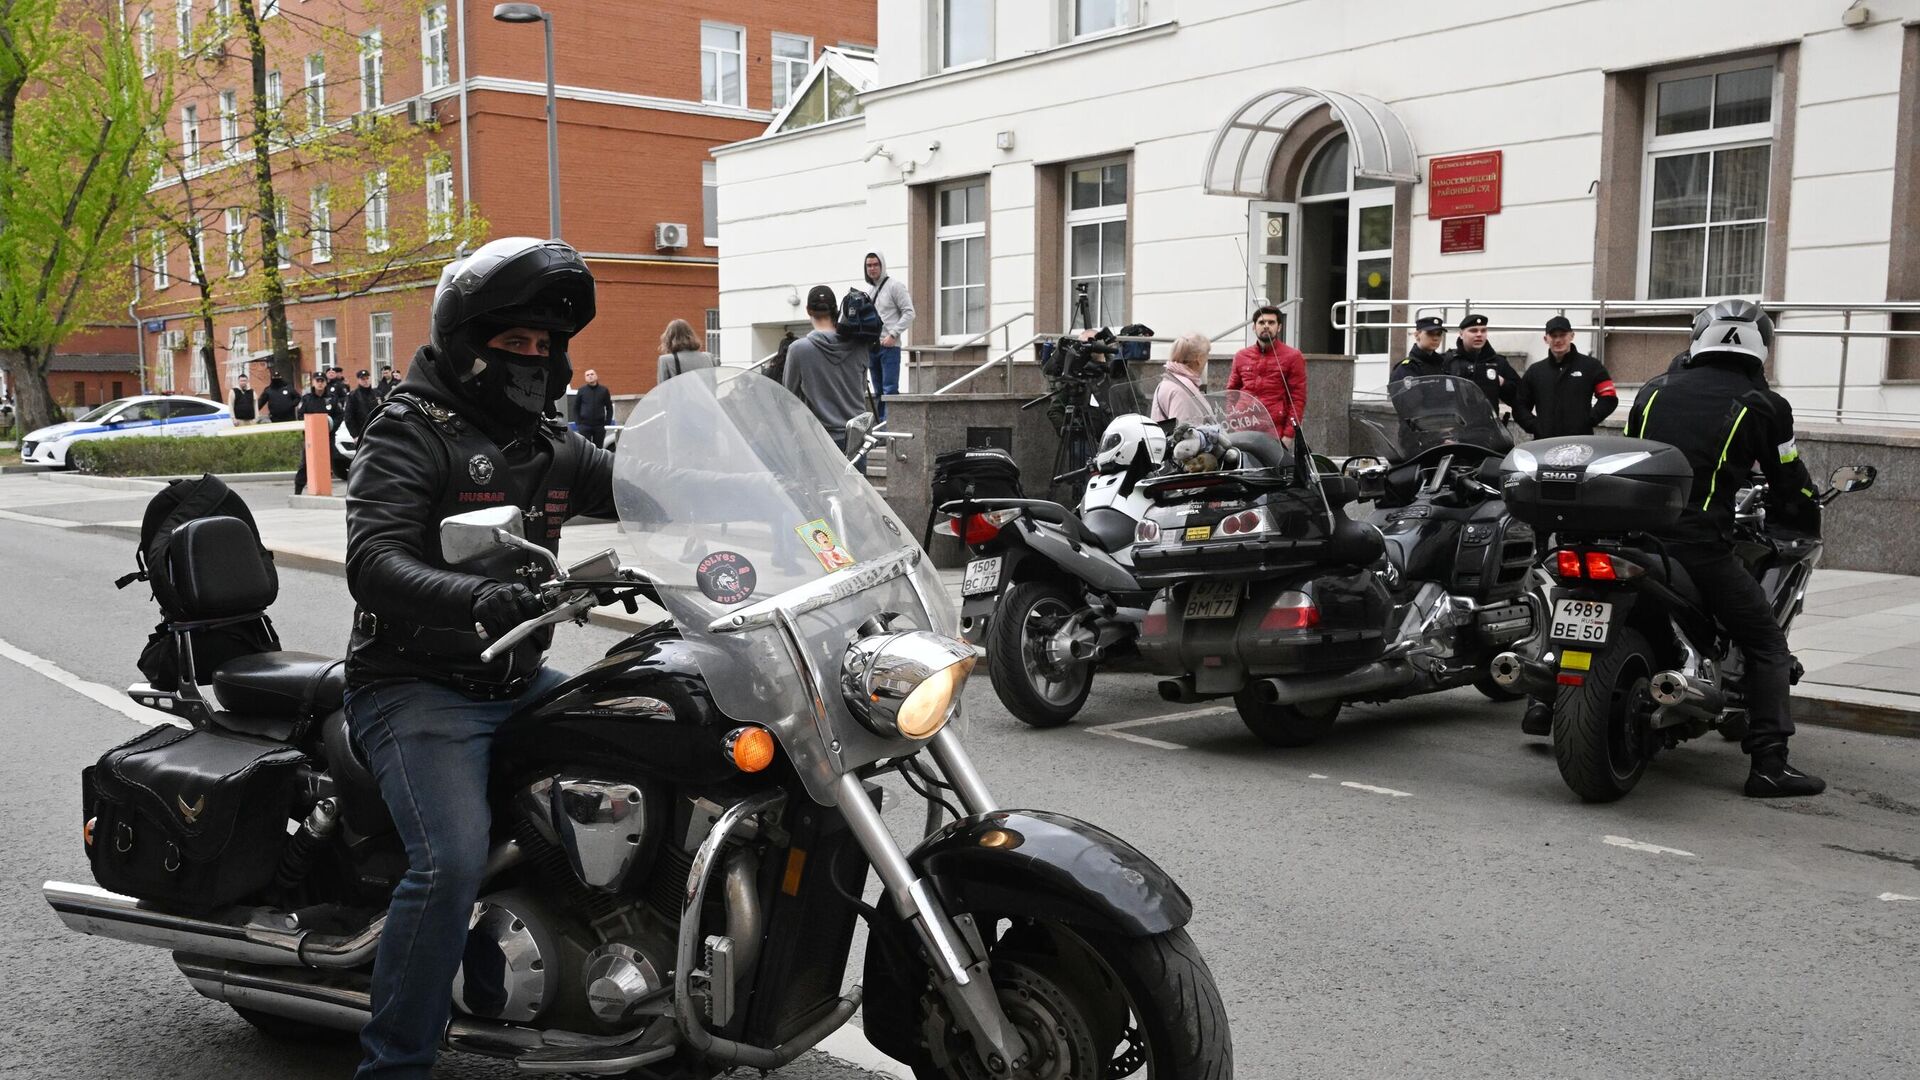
(513, 281)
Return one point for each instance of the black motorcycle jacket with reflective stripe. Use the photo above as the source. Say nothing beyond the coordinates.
(420, 460)
(1726, 420)
(1567, 396)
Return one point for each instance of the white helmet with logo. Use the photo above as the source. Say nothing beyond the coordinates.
(1733, 326)
(1130, 439)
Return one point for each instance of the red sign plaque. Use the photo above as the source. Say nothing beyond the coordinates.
(1463, 234)
(1464, 184)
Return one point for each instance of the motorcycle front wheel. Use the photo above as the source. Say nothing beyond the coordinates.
(1096, 1006)
(1036, 687)
(1601, 735)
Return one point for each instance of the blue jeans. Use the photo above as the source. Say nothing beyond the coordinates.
(884, 363)
(430, 747)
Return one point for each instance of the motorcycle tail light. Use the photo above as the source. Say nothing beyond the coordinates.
(1146, 533)
(1604, 567)
(976, 528)
(1245, 521)
(1291, 611)
(1566, 563)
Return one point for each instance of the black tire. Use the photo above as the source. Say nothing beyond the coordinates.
(1038, 692)
(1493, 691)
(286, 1029)
(1123, 992)
(1285, 725)
(1601, 737)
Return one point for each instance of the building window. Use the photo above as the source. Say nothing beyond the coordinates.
(274, 94)
(377, 211)
(269, 8)
(1099, 16)
(380, 326)
(710, 203)
(317, 90)
(161, 279)
(713, 333)
(197, 238)
(190, 135)
(320, 224)
(326, 340)
(792, 56)
(237, 352)
(372, 72)
(960, 234)
(1709, 159)
(148, 65)
(435, 72)
(723, 62)
(236, 242)
(229, 123)
(440, 198)
(966, 31)
(1097, 243)
(183, 25)
(283, 245)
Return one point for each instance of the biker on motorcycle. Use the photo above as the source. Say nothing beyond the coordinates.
(466, 430)
(1721, 413)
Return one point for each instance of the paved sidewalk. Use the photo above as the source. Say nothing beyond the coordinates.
(1859, 637)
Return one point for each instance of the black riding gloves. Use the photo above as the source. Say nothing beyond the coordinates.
(500, 606)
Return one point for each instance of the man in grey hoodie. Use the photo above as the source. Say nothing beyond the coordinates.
(824, 370)
(895, 308)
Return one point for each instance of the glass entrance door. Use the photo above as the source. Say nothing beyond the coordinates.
(1370, 274)
(1273, 249)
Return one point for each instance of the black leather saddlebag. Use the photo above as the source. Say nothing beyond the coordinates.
(190, 820)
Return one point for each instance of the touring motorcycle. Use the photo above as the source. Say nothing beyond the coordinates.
(683, 830)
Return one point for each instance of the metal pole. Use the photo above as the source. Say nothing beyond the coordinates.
(553, 138)
(1840, 397)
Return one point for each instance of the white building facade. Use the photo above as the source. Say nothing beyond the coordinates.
(1179, 161)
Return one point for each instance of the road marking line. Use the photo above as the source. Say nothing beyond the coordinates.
(1897, 896)
(1316, 776)
(104, 695)
(1377, 790)
(849, 1044)
(1164, 718)
(1131, 737)
(1641, 845)
(30, 519)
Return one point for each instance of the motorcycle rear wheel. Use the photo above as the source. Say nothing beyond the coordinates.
(1601, 736)
(1038, 692)
(1285, 725)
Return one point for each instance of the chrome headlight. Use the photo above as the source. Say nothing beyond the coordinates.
(904, 684)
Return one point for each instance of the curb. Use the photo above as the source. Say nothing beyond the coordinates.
(147, 483)
(317, 502)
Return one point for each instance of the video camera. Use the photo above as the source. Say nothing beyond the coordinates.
(1072, 358)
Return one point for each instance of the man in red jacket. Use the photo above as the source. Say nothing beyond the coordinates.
(1273, 371)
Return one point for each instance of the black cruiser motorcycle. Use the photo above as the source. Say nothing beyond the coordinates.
(682, 830)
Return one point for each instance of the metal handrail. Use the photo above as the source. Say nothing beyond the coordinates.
(975, 339)
(1008, 356)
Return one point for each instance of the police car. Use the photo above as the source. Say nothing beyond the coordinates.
(147, 414)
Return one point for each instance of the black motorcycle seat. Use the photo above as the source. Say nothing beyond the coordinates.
(276, 684)
(1112, 529)
(1671, 573)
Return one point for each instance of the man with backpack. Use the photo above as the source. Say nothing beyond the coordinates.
(894, 307)
(824, 368)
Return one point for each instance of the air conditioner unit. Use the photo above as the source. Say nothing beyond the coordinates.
(419, 111)
(172, 340)
(669, 234)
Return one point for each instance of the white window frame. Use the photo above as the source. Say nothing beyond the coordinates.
(149, 47)
(283, 244)
(236, 242)
(276, 92)
(1098, 215)
(380, 341)
(199, 255)
(183, 25)
(238, 348)
(937, 40)
(1130, 16)
(435, 69)
(440, 198)
(320, 224)
(711, 339)
(326, 350)
(229, 123)
(1709, 141)
(161, 278)
(740, 36)
(190, 135)
(316, 89)
(374, 221)
(710, 198)
(269, 8)
(373, 91)
(789, 73)
(944, 234)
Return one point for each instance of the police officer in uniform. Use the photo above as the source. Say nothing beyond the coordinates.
(1720, 411)
(1424, 357)
(465, 430)
(1473, 359)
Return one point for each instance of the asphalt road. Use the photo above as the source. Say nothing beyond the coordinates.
(1419, 895)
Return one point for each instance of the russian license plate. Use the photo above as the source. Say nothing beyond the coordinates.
(1584, 621)
(1213, 600)
(983, 576)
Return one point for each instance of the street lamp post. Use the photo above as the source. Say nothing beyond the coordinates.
(526, 13)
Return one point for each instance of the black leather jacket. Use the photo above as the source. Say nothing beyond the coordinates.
(429, 453)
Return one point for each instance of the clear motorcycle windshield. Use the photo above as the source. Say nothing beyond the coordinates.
(1443, 410)
(1240, 412)
(733, 497)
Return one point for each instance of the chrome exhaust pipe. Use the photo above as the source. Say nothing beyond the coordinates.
(1516, 672)
(1364, 680)
(293, 995)
(1691, 697)
(92, 910)
(1179, 690)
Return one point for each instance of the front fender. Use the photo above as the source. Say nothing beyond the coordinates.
(1031, 863)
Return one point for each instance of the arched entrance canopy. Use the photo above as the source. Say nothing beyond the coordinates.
(1244, 147)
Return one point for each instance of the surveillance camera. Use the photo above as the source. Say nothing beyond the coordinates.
(878, 150)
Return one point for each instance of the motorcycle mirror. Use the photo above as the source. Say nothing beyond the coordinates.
(1360, 466)
(471, 535)
(1850, 478)
(857, 429)
(604, 565)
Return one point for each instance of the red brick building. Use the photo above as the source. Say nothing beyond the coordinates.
(644, 92)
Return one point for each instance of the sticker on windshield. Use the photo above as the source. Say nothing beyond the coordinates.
(821, 542)
(726, 577)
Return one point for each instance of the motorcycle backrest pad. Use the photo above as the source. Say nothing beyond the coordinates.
(232, 554)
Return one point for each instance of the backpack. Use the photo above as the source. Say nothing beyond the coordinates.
(971, 473)
(859, 319)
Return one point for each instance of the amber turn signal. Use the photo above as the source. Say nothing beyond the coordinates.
(88, 831)
(750, 748)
